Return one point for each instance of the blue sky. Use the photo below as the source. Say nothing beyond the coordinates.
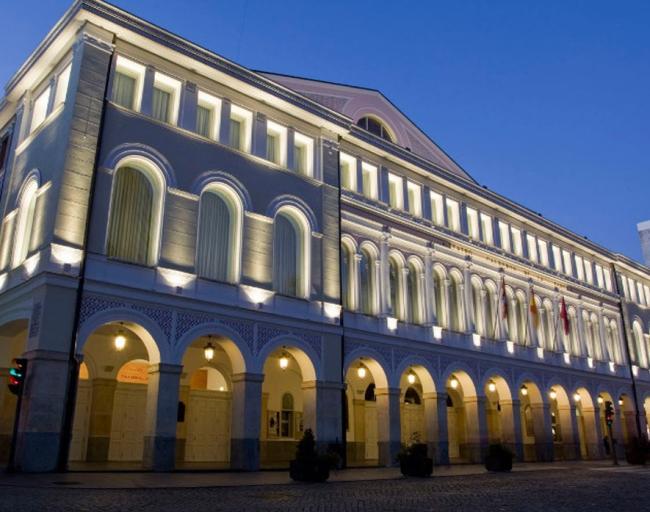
(547, 102)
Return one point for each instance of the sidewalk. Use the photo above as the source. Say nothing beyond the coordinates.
(144, 480)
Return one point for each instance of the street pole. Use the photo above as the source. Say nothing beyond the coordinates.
(612, 443)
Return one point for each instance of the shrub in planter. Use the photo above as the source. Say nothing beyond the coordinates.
(498, 458)
(309, 466)
(414, 461)
(636, 451)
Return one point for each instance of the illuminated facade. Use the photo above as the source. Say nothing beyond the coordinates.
(200, 262)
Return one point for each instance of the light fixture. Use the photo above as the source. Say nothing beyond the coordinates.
(552, 394)
(411, 377)
(221, 388)
(576, 397)
(361, 371)
(524, 391)
(208, 350)
(600, 399)
(120, 340)
(284, 361)
(492, 387)
(620, 401)
(453, 383)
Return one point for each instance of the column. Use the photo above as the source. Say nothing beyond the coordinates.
(435, 425)
(466, 294)
(595, 433)
(322, 411)
(389, 428)
(246, 421)
(531, 340)
(511, 427)
(558, 328)
(476, 425)
(188, 107)
(146, 104)
(604, 348)
(429, 295)
(162, 414)
(383, 281)
(542, 427)
(101, 419)
(486, 328)
(581, 332)
(447, 283)
(356, 290)
(406, 310)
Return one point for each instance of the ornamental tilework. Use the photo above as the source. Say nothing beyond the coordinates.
(188, 321)
(267, 333)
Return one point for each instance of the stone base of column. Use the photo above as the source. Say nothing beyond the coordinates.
(517, 449)
(388, 451)
(440, 453)
(97, 449)
(472, 452)
(37, 452)
(544, 452)
(245, 454)
(159, 453)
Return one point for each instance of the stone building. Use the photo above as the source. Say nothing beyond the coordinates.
(199, 262)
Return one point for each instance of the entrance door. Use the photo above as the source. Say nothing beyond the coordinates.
(80, 425)
(208, 427)
(372, 437)
(127, 428)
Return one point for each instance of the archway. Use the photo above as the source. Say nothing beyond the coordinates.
(418, 408)
(588, 429)
(499, 413)
(288, 405)
(564, 445)
(536, 440)
(13, 339)
(114, 398)
(615, 441)
(367, 417)
(626, 416)
(463, 419)
(646, 410)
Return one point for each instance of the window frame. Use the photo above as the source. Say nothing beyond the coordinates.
(135, 70)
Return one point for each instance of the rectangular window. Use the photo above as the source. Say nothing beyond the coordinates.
(276, 143)
(369, 175)
(632, 288)
(166, 97)
(532, 248)
(646, 290)
(608, 279)
(437, 209)
(557, 258)
(208, 111)
(128, 82)
(415, 198)
(589, 272)
(639, 292)
(241, 122)
(453, 215)
(626, 292)
(348, 171)
(580, 268)
(600, 281)
(39, 109)
(472, 223)
(517, 243)
(568, 266)
(62, 85)
(395, 191)
(486, 227)
(504, 234)
(303, 154)
(543, 252)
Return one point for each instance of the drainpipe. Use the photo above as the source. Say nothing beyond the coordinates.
(73, 372)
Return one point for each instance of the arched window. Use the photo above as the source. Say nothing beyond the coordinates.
(347, 276)
(522, 319)
(369, 395)
(589, 340)
(595, 336)
(477, 307)
(291, 254)
(375, 126)
(542, 336)
(456, 322)
(512, 330)
(133, 224)
(614, 343)
(574, 340)
(490, 311)
(412, 397)
(415, 293)
(439, 297)
(286, 417)
(25, 221)
(638, 354)
(218, 245)
(394, 293)
(367, 282)
(549, 330)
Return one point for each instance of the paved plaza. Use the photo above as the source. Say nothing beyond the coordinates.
(561, 487)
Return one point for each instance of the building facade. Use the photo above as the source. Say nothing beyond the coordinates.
(200, 262)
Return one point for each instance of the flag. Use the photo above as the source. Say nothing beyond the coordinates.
(564, 315)
(534, 313)
(504, 300)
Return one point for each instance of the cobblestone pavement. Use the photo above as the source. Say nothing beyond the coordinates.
(582, 489)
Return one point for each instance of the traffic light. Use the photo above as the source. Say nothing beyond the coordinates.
(609, 413)
(17, 376)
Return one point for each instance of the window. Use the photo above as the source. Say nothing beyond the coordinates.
(557, 258)
(600, 281)
(580, 267)
(568, 265)
(632, 288)
(348, 172)
(453, 215)
(440, 297)
(374, 126)
(639, 292)
(208, 110)
(303, 154)
(291, 236)
(517, 245)
(486, 227)
(415, 294)
(347, 276)
(608, 279)
(646, 290)
(415, 198)
(369, 176)
(218, 245)
(241, 121)
(132, 227)
(504, 234)
(286, 416)
(128, 82)
(476, 307)
(589, 272)
(367, 282)
(395, 191)
(456, 322)
(437, 209)
(626, 292)
(276, 143)
(25, 222)
(39, 108)
(532, 248)
(472, 223)
(166, 98)
(62, 85)
(543, 252)
(395, 306)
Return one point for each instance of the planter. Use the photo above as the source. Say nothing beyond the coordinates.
(315, 470)
(498, 458)
(636, 451)
(416, 465)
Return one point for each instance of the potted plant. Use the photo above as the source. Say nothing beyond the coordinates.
(414, 459)
(498, 458)
(309, 466)
(636, 451)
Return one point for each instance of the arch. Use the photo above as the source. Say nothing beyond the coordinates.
(377, 126)
(503, 384)
(23, 231)
(293, 203)
(463, 416)
(137, 152)
(304, 354)
(291, 248)
(373, 361)
(587, 425)
(211, 178)
(422, 370)
(465, 376)
(220, 224)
